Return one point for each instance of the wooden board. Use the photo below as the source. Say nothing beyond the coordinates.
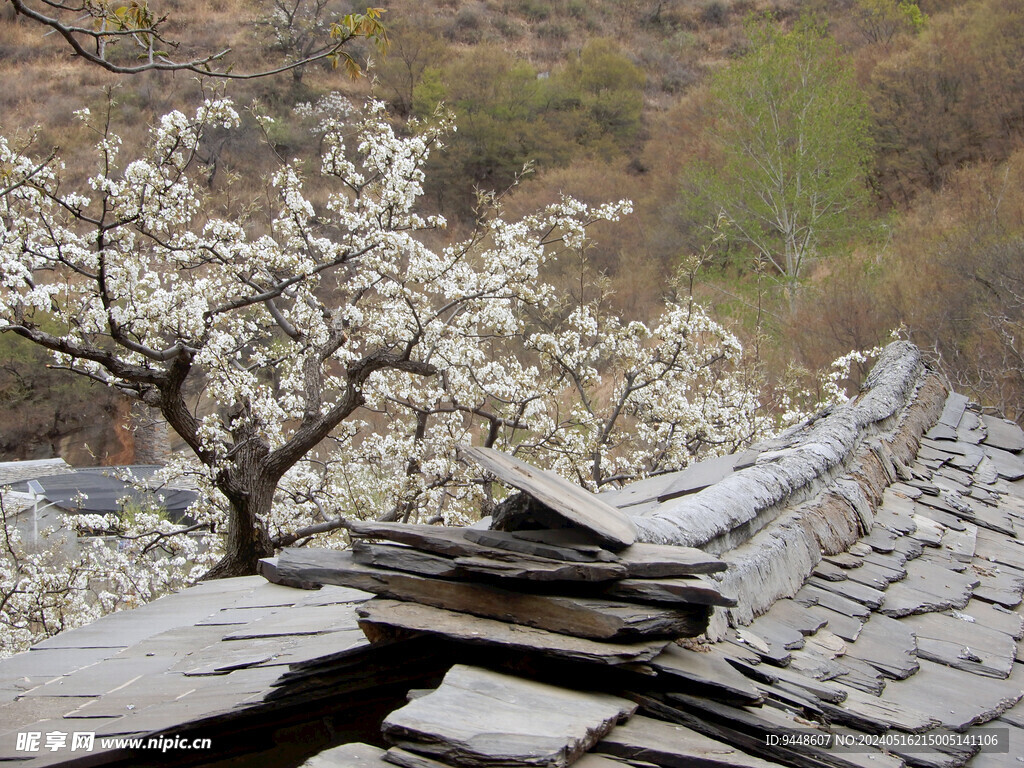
(381, 618)
(576, 505)
(477, 717)
(592, 617)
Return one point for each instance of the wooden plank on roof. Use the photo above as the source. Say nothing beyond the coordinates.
(576, 505)
(479, 718)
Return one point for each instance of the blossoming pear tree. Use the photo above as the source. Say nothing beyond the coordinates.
(324, 362)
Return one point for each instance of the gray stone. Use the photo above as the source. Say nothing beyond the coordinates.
(846, 627)
(383, 619)
(1008, 466)
(1002, 434)
(707, 672)
(927, 587)
(798, 617)
(888, 646)
(955, 698)
(673, 746)
(869, 713)
(852, 590)
(592, 617)
(477, 717)
(348, 756)
(569, 501)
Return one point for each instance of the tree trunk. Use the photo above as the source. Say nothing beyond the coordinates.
(250, 491)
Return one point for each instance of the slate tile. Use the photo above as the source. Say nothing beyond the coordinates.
(955, 698)
(99, 678)
(348, 756)
(811, 595)
(847, 627)
(999, 584)
(481, 718)
(707, 671)
(995, 617)
(927, 587)
(35, 667)
(874, 714)
(876, 576)
(1003, 434)
(392, 614)
(997, 548)
(794, 615)
(579, 507)
(777, 633)
(674, 746)
(771, 651)
(307, 620)
(861, 675)
(1008, 466)
(888, 646)
(852, 590)
(1011, 758)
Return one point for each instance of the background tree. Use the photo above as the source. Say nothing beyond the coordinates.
(130, 39)
(792, 129)
(301, 358)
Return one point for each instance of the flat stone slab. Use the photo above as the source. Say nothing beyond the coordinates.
(955, 698)
(877, 577)
(852, 590)
(1003, 434)
(994, 617)
(847, 627)
(477, 717)
(651, 741)
(928, 587)
(967, 645)
(685, 590)
(355, 755)
(592, 617)
(875, 714)
(887, 645)
(383, 619)
(1008, 466)
(707, 670)
(574, 504)
(811, 595)
(797, 616)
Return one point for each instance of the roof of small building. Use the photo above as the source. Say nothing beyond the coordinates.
(871, 593)
(95, 490)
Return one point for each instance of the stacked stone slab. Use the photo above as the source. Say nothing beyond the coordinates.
(584, 591)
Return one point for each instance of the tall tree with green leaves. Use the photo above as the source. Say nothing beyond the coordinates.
(792, 127)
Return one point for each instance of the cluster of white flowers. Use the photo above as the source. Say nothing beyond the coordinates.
(331, 349)
(97, 564)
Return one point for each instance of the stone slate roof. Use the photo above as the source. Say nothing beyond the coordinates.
(12, 472)
(872, 591)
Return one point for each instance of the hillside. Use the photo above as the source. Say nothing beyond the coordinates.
(610, 100)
